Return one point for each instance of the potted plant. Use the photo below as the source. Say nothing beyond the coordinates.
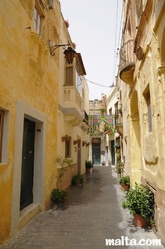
(65, 138)
(103, 163)
(88, 165)
(58, 195)
(84, 143)
(125, 182)
(77, 179)
(139, 201)
(75, 142)
(120, 109)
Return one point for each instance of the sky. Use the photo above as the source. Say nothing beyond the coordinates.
(95, 27)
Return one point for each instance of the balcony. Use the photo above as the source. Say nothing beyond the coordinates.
(127, 62)
(119, 121)
(72, 106)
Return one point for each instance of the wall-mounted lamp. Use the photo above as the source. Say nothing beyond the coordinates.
(69, 52)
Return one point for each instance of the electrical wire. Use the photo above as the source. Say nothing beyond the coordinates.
(100, 84)
(97, 84)
(119, 40)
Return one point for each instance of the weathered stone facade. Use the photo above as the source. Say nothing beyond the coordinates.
(143, 78)
(30, 91)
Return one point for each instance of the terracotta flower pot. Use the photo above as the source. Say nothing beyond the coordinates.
(139, 221)
(88, 170)
(124, 186)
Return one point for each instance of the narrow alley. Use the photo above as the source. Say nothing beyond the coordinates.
(91, 214)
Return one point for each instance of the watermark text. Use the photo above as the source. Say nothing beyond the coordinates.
(125, 241)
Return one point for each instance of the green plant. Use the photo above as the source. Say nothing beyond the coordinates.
(77, 179)
(118, 170)
(58, 195)
(119, 163)
(139, 200)
(63, 162)
(117, 146)
(125, 180)
(88, 164)
(87, 144)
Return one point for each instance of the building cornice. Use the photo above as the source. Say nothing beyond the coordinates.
(81, 64)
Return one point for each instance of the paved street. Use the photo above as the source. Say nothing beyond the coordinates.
(91, 214)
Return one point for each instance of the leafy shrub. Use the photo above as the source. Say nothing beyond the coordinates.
(140, 200)
(125, 180)
(77, 179)
(58, 195)
(88, 164)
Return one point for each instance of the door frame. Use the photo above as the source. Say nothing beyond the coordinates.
(18, 217)
(96, 141)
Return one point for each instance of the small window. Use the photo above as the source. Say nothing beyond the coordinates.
(38, 16)
(37, 21)
(1, 132)
(148, 100)
(148, 106)
(69, 76)
(68, 148)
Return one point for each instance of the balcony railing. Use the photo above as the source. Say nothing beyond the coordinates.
(127, 62)
(72, 105)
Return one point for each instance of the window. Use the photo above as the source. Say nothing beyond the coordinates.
(78, 83)
(149, 111)
(147, 98)
(38, 16)
(69, 76)
(67, 148)
(37, 21)
(1, 131)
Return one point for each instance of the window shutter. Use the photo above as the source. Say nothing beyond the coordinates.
(69, 76)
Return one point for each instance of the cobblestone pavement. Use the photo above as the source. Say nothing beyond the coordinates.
(91, 214)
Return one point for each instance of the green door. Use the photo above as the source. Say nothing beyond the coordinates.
(27, 164)
(96, 153)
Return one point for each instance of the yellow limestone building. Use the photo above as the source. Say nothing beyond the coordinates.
(30, 104)
(72, 115)
(142, 74)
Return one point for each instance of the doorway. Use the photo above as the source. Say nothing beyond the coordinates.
(27, 168)
(96, 154)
